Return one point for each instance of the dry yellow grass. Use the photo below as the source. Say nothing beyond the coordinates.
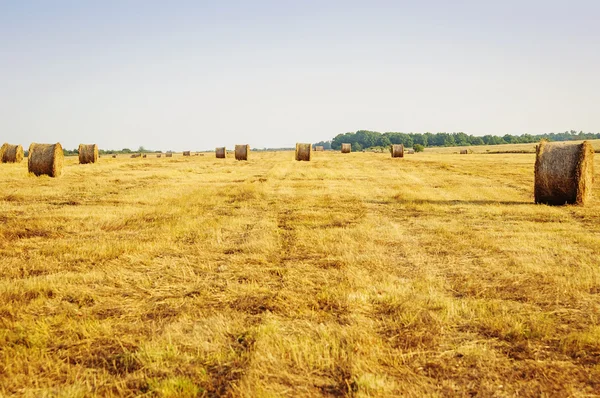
(352, 275)
(517, 148)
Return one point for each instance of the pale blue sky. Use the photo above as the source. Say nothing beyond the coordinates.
(197, 74)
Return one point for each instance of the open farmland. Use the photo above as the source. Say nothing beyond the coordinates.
(500, 149)
(350, 275)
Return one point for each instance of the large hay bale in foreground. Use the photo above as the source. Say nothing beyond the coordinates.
(563, 173)
(88, 153)
(187, 153)
(319, 148)
(397, 150)
(221, 153)
(241, 152)
(11, 153)
(45, 159)
(303, 152)
(464, 152)
(346, 148)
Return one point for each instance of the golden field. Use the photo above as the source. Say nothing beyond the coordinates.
(500, 149)
(350, 275)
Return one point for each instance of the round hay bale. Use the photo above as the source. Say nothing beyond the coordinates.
(221, 153)
(144, 156)
(114, 156)
(187, 153)
(346, 148)
(410, 151)
(169, 155)
(45, 159)
(11, 153)
(241, 152)
(319, 148)
(88, 153)
(464, 151)
(397, 150)
(563, 173)
(159, 155)
(303, 152)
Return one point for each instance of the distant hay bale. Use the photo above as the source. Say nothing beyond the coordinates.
(303, 152)
(187, 153)
(45, 159)
(397, 150)
(221, 153)
(136, 155)
(319, 148)
(11, 153)
(346, 148)
(88, 153)
(144, 156)
(464, 151)
(169, 155)
(241, 152)
(159, 155)
(114, 156)
(563, 173)
(410, 151)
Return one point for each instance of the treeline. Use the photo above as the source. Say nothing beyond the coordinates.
(75, 152)
(364, 139)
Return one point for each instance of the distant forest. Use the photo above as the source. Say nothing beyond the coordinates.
(364, 139)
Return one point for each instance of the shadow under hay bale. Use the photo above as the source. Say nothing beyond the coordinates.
(563, 173)
(88, 153)
(346, 148)
(187, 153)
(397, 150)
(303, 152)
(241, 152)
(11, 153)
(45, 159)
(221, 153)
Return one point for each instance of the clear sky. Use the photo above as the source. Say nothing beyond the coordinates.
(200, 74)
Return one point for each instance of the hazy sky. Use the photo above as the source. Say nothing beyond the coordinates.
(200, 74)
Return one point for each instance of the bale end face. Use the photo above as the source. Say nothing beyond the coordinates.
(241, 152)
(45, 159)
(563, 173)
(303, 152)
(11, 153)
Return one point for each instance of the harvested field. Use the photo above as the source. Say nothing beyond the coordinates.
(436, 276)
